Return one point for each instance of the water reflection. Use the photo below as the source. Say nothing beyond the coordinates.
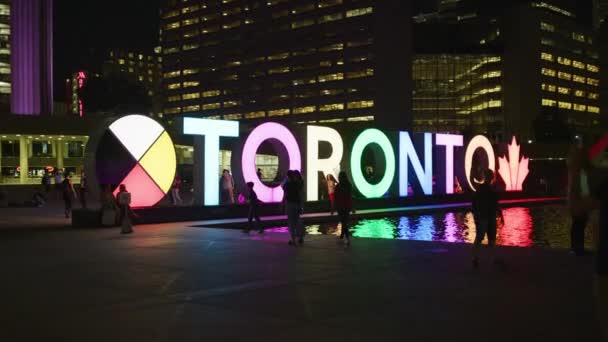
(523, 227)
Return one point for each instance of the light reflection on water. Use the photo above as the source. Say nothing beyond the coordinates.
(524, 227)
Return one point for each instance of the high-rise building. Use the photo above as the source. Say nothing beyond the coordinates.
(531, 69)
(31, 51)
(297, 61)
(5, 55)
(143, 69)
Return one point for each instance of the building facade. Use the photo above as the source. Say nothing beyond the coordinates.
(31, 51)
(288, 60)
(533, 72)
(143, 69)
(5, 55)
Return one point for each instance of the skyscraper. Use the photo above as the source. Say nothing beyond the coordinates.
(524, 68)
(5, 55)
(31, 57)
(312, 61)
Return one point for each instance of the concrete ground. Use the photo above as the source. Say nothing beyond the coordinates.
(174, 282)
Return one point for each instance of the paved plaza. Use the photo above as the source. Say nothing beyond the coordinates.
(176, 282)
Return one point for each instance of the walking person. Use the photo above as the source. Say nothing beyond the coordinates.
(68, 193)
(293, 207)
(228, 186)
(46, 182)
(175, 187)
(485, 209)
(259, 173)
(59, 183)
(124, 203)
(578, 193)
(344, 205)
(331, 188)
(83, 190)
(254, 202)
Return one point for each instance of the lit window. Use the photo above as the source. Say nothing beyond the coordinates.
(253, 115)
(359, 11)
(172, 25)
(170, 14)
(304, 110)
(331, 77)
(300, 24)
(578, 37)
(332, 91)
(210, 29)
(593, 82)
(211, 93)
(564, 105)
(547, 41)
(190, 21)
(549, 103)
(304, 81)
(579, 93)
(579, 79)
(547, 57)
(578, 64)
(333, 47)
(553, 8)
(278, 112)
(360, 104)
(281, 70)
(211, 106)
(593, 109)
(174, 86)
(547, 27)
(190, 71)
(191, 84)
(331, 17)
(192, 108)
(492, 74)
(563, 90)
(330, 107)
(233, 64)
(193, 46)
(329, 3)
(190, 9)
(580, 107)
(171, 50)
(233, 116)
(594, 96)
(191, 96)
(229, 104)
(564, 75)
(564, 60)
(174, 98)
(593, 68)
(278, 56)
(174, 110)
(548, 72)
(232, 77)
(548, 87)
(361, 73)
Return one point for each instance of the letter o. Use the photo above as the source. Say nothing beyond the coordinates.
(263, 132)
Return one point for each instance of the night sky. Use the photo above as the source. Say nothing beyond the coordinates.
(84, 32)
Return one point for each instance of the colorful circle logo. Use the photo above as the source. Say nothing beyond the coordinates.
(136, 151)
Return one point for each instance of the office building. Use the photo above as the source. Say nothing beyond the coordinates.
(287, 60)
(532, 71)
(143, 69)
(5, 55)
(31, 51)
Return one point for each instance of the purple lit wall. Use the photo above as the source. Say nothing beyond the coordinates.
(32, 57)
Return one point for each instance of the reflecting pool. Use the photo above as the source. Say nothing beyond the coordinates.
(547, 226)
